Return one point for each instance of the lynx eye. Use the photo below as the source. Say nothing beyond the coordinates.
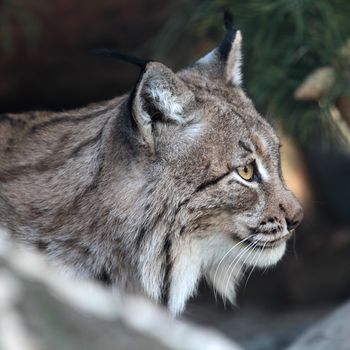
(246, 172)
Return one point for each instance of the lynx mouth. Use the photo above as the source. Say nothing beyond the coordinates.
(263, 241)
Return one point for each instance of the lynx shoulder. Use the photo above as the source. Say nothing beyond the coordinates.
(152, 191)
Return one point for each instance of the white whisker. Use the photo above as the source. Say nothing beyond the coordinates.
(221, 261)
(250, 253)
(234, 263)
(256, 261)
(252, 267)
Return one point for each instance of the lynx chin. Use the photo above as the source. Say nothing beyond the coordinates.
(150, 192)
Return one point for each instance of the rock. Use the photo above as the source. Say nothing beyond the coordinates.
(333, 332)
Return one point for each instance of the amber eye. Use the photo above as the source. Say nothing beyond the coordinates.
(246, 172)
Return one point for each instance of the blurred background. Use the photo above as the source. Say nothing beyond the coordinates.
(296, 70)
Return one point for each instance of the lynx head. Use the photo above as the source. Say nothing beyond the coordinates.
(216, 203)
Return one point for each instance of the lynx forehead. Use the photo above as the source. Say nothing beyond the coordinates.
(154, 190)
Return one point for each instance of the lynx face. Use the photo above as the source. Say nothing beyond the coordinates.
(152, 191)
(240, 213)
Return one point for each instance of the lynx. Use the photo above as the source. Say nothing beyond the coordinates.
(152, 191)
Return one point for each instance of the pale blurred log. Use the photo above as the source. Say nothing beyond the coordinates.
(316, 85)
(330, 333)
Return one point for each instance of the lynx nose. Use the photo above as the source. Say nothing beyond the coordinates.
(294, 222)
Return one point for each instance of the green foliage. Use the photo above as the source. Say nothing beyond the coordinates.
(284, 41)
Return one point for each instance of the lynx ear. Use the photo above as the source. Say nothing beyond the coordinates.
(160, 98)
(224, 62)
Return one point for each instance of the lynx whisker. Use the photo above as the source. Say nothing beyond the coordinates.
(223, 258)
(253, 259)
(234, 263)
(241, 253)
(245, 268)
(256, 261)
(246, 259)
(294, 247)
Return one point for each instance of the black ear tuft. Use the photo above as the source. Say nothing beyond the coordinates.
(226, 44)
(224, 62)
(228, 20)
(122, 56)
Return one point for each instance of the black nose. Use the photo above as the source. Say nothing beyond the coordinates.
(295, 221)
